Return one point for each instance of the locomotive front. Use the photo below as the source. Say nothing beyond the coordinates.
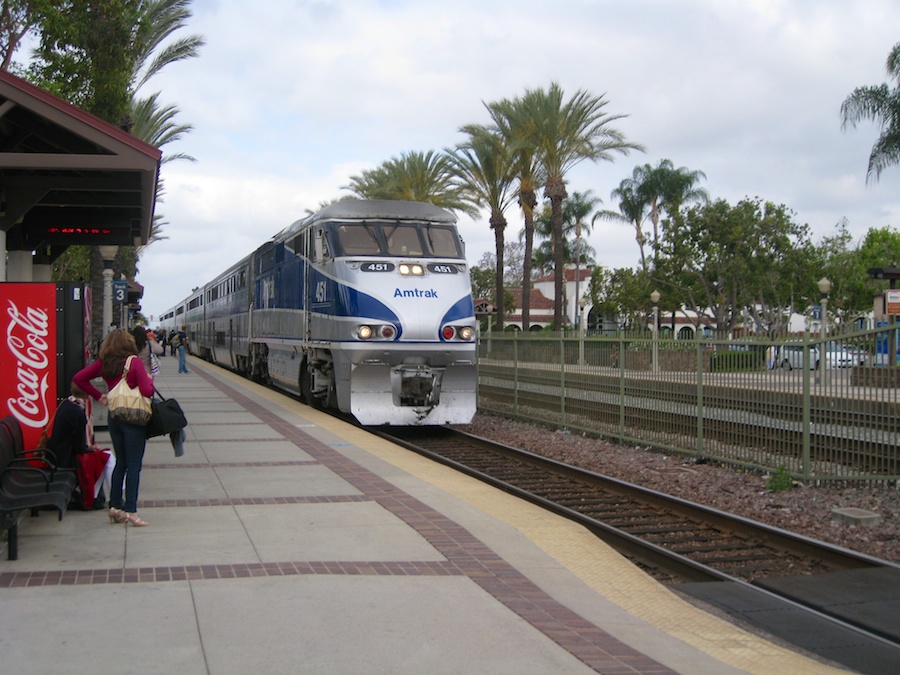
(397, 307)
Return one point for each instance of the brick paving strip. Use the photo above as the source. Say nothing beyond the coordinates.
(465, 554)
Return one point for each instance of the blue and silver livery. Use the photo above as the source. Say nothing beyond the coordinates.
(365, 307)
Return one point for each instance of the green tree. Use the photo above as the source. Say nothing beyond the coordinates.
(87, 53)
(566, 133)
(484, 164)
(482, 278)
(750, 259)
(17, 19)
(880, 104)
(846, 263)
(621, 295)
(415, 177)
(879, 248)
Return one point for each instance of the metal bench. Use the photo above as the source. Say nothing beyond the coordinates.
(27, 483)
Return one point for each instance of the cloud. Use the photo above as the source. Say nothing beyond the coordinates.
(290, 99)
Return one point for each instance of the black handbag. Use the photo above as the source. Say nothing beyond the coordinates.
(166, 417)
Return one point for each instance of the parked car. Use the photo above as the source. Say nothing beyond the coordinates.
(837, 355)
(790, 356)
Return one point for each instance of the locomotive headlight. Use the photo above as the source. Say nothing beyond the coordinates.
(462, 333)
(385, 332)
(411, 270)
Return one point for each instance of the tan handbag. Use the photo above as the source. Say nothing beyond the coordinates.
(126, 404)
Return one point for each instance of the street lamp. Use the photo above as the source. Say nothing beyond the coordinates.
(108, 254)
(654, 298)
(824, 288)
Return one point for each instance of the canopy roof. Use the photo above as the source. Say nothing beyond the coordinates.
(67, 177)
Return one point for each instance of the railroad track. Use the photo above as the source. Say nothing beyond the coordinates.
(679, 540)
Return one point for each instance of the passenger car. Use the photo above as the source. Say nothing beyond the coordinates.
(837, 355)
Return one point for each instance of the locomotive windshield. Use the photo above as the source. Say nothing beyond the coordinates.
(417, 240)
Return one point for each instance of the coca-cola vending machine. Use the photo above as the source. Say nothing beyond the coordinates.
(45, 341)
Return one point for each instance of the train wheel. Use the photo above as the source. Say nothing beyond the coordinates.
(306, 385)
(260, 364)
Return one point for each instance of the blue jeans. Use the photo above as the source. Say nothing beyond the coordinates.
(182, 355)
(129, 442)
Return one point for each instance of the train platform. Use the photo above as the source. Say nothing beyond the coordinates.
(287, 541)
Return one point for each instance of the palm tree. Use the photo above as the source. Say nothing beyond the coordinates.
(880, 104)
(664, 187)
(415, 177)
(573, 252)
(483, 162)
(568, 132)
(518, 128)
(155, 124)
(159, 20)
(632, 210)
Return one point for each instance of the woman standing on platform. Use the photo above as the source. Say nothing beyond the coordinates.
(148, 348)
(129, 440)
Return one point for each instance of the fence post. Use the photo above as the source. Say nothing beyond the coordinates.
(621, 365)
(807, 407)
(700, 443)
(562, 379)
(515, 374)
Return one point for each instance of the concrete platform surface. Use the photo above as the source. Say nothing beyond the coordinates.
(286, 541)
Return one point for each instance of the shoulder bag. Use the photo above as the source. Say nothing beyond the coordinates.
(126, 404)
(167, 416)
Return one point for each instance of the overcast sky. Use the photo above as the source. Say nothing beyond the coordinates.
(290, 98)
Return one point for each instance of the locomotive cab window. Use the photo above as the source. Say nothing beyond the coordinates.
(443, 242)
(403, 240)
(357, 240)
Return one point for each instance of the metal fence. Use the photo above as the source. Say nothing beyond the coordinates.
(823, 409)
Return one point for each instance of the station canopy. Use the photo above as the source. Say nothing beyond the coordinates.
(67, 177)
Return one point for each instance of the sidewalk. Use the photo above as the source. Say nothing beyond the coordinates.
(285, 541)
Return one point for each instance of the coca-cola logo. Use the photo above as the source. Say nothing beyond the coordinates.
(26, 339)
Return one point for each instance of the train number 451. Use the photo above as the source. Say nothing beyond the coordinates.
(321, 291)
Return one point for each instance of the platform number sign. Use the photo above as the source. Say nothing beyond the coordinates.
(120, 291)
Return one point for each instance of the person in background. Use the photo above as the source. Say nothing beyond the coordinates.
(129, 440)
(181, 339)
(146, 346)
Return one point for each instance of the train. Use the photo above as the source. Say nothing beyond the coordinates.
(364, 307)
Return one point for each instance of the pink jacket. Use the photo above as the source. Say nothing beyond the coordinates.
(137, 377)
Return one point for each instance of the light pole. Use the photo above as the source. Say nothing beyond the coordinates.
(654, 298)
(824, 288)
(108, 253)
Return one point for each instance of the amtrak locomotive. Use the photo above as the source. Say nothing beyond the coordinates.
(365, 307)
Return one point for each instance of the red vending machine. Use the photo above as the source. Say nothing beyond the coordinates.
(45, 340)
